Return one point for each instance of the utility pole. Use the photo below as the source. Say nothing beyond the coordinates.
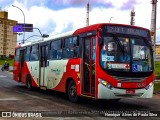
(87, 15)
(24, 22)
(132, 17)
(153, 27)
(153, 22)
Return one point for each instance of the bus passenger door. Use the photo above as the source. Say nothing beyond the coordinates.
(89, 55)
(44, 51)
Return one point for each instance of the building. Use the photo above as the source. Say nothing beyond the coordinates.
(8, 39)
(157, 52)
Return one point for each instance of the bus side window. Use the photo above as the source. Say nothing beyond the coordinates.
(65, 53)
(17, 52)
(27, 53)
(34, 53)
(74, 52)
(54, 54)
(75, 47)
(59, 54)
(56, 50)
(71, 47)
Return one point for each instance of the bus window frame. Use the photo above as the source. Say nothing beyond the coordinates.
(52, 49)
(37, 52)
(26, 53)
(17, 56)
(69, 48)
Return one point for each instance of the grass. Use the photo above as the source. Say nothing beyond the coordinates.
(9, 60)
(157, 86)
(157, 68)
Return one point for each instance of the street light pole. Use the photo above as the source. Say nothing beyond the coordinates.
(24, 23)
(32, 36)
(110, 19)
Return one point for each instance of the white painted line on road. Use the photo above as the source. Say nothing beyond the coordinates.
(8, 99)
(2, 76)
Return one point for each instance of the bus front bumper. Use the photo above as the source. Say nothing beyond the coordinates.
(116, 93)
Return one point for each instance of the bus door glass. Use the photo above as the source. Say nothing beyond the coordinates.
(21, 65)
(43, 64)
(89, 56)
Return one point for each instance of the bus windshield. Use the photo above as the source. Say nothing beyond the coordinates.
(132, 55)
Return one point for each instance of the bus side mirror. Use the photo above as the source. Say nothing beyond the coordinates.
(100, 41)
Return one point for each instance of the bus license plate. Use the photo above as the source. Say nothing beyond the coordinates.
(130, 91)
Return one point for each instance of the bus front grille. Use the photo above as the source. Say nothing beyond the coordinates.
(129, 79)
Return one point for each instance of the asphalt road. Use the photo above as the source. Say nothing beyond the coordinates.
(15, 97)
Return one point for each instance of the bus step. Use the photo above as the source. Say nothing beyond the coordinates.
(88, 96)
(43, 88)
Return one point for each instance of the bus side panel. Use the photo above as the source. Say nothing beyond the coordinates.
(32, 69)
(55, 71)
(25, 71)
(70, 70)
(16, 71)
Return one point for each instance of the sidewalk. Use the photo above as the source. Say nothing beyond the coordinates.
(156, 92)
(157, 80)
(10, 68)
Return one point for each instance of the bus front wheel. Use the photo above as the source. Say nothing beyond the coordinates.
(28, 82)
(72, 92)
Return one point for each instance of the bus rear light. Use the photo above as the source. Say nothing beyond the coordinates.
(105, 83)
(149, 86)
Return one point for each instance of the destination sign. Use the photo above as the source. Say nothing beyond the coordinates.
(127, 30)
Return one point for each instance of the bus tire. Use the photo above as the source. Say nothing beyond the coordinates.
(72, 92)
(29, 83)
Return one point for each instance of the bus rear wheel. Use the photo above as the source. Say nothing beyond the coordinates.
(72, 92)
(28, 82)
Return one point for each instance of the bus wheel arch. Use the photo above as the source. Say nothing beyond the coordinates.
(71, 90)
(29, 82)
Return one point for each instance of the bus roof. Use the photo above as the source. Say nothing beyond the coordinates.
(96, 26)
(52, 37)
(78, 31)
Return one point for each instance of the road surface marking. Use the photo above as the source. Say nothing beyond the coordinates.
(9, 98)
(2, 76)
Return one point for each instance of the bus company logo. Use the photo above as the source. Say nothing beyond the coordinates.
(21, 114)
(57, 71)
(6, 114)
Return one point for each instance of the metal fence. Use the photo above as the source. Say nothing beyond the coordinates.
(157, 58)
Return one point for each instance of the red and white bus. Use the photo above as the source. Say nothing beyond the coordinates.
(100, 61)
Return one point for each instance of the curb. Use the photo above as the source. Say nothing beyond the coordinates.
(157, 80)
(157, 77)
(156, 92)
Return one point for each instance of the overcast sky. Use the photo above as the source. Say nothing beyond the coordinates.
(56, 16)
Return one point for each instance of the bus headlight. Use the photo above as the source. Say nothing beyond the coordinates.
(150, 85)
(105, 83)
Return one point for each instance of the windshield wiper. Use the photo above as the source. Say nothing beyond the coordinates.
(118, 43)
